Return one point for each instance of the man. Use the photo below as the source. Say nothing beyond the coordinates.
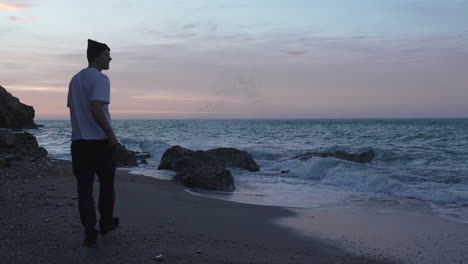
(93, 141)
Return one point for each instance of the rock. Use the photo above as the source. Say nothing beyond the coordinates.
(7, 139)
(19, 146)
(177, 158)
(159, 258)
(124, 157)
(206, 169)
(231, 157)
(13, 113)
(364, 157)
(141, 155)
(214, 179)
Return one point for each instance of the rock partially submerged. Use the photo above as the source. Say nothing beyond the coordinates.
(128, 158)
(214, 179)
(364, 157)
(13, 113)
(124, 157)
(231, 157)
(178, 158)
(206, 169)
(19, 147)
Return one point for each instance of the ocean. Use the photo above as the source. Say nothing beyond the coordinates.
(419, 163)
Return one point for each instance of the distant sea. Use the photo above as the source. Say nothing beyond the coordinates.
(419, 162)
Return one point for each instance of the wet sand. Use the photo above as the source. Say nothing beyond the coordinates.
(412, 235)
(39, 223)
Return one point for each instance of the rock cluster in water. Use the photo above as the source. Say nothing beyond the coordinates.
(13, 113)
(206, 169)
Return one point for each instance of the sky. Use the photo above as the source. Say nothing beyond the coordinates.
(219, 59)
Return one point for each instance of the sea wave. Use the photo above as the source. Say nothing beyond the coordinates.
(370, 178)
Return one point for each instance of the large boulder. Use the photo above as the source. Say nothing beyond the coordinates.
(127, 158)
(231, 157)
(13, 113)
(206, 169)
(19, 146)
(214, 179)
(177, 158)
(124, 157)
(364, 157)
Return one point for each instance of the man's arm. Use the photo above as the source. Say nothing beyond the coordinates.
(97, 110)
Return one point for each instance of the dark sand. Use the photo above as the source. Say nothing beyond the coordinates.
(39, 223)
(413, 235)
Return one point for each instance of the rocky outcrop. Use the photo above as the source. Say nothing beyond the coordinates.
(214, 179)
(364, 157)
(124, 157)
(128, 158)
(19, 147)
(231, 157)
(206, 169)
(13, 113)
(177, 158)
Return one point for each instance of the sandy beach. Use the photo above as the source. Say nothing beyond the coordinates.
(40, 224)
(411, 235)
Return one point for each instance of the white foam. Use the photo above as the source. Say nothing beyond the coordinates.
(267, 152)
(367, 178)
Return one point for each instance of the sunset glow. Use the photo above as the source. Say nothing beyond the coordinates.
(7, 7)
(265, 59)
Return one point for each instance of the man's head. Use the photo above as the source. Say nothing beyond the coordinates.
(98, 55)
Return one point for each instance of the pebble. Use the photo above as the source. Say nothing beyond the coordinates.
(159, 258)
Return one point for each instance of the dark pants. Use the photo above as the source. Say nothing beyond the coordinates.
(90, 157)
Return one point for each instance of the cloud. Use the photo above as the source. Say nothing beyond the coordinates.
(189, 26)
(8, 7)
(319, 38)
(37, 88)
(247, 39)
(133, 111)
(14, 6)
(166, 96)
(296, 52)
(20, 19)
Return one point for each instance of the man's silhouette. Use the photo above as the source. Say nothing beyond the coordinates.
(93, 141)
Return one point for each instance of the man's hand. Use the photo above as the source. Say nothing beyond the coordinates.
(113, 142)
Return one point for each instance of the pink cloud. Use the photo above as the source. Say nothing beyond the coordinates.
(13, 6)
(296, 53)
(247, 39)
(20, 19)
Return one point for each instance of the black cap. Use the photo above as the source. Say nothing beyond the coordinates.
(95, 49)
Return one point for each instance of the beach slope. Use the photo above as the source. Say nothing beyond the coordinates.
(160, 222)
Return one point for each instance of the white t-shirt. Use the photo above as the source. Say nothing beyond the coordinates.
(87, 85)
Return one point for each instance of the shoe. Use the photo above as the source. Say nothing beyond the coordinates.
(90, 237)
(105, 228)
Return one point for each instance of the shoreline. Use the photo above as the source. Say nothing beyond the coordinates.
(410, 233)
(40, 224)
(411, 236)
